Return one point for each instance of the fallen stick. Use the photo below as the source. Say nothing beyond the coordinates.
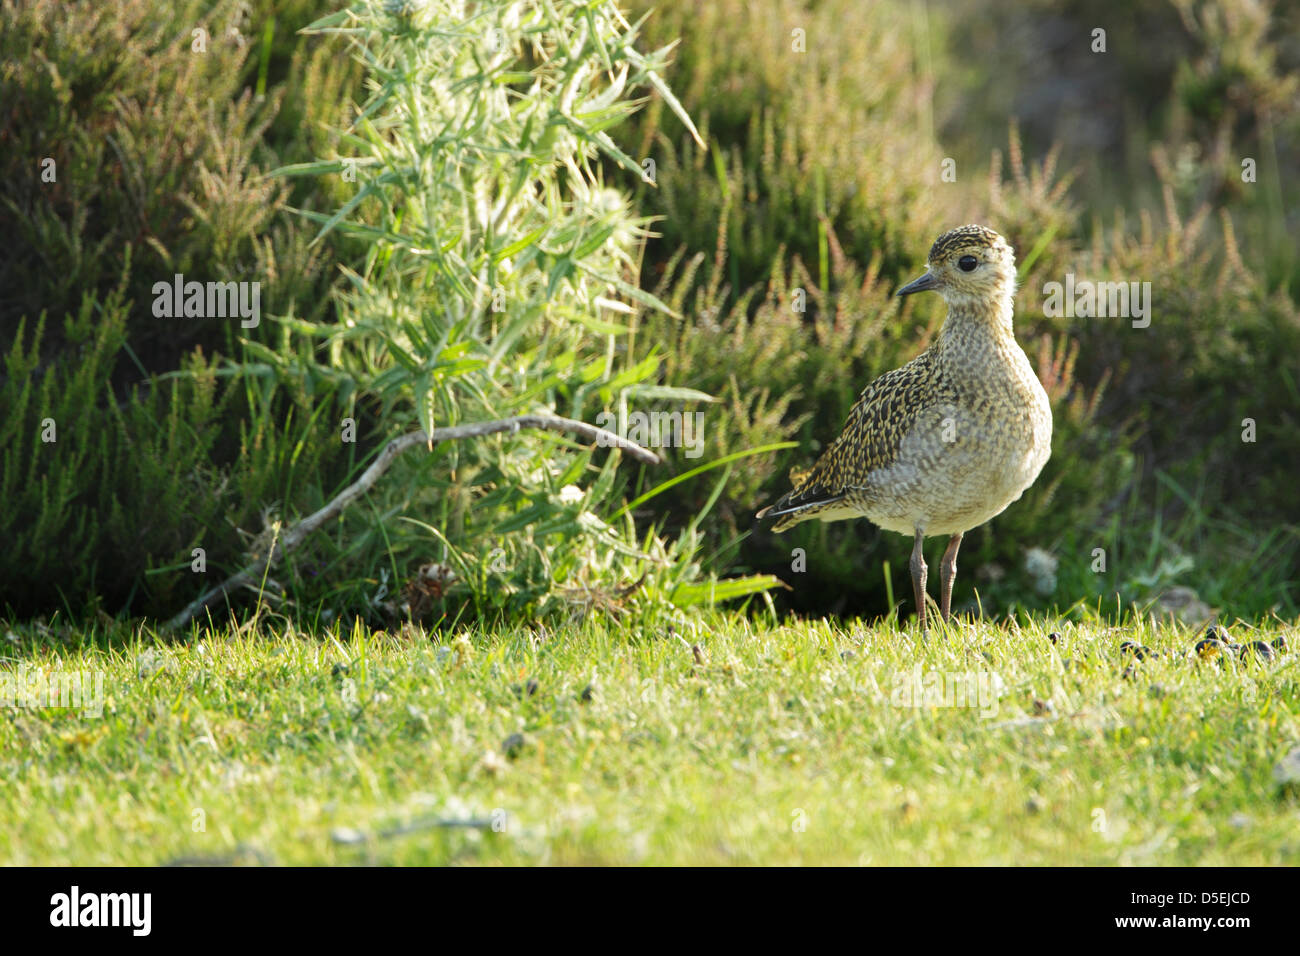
(295, 535)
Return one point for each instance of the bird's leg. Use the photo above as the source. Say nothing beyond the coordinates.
(919, 572)
(947, 573)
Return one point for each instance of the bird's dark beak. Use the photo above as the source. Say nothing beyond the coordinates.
(923, 284)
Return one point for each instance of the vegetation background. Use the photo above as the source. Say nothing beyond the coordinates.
(828, 126)
(507, 650)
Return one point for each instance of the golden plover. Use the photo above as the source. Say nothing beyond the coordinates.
(946, 442)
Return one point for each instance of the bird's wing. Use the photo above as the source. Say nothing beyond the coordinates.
(872, 436)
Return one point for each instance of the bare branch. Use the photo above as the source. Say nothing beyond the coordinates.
(295, 535)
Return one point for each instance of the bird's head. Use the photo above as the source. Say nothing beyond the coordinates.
(970, 265)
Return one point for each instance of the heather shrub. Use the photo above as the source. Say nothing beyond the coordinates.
(133, 150)
(145, 128)
(108, 498)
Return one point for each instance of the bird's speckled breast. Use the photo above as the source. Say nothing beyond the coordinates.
(964, 462)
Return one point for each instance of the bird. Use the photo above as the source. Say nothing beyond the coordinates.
(947, 441)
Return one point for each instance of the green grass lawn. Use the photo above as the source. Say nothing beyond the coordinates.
(726, 742)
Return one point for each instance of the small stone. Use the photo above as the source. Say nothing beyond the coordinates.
(513, 745)
(1041, 567)
(1035, 804)
(1258, 650)
(1137, 650)
(1182, 604)
(1287, 772)
(527, 689)
(587, 693)
(150, 661)
(347, 835)
(1210, 647)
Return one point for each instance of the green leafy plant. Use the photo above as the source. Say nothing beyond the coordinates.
(500, 279)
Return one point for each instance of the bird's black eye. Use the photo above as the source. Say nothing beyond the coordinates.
(968, 263)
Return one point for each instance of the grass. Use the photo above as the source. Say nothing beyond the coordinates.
(729, 742)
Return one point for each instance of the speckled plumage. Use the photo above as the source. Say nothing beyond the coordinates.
(947, 441)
